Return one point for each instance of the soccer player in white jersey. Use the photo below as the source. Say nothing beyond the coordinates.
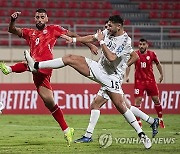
(95, 113)
(117, 55)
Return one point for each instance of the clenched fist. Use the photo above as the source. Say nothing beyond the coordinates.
(15, 15)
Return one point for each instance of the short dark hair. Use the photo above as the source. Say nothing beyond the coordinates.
(116, 19)
(143, 40)
(41, 10)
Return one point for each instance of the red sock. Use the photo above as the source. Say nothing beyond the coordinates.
(58, 116)
(158, 108)
(19, 67)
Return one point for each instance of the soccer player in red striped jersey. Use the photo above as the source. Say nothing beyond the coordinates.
(41, 42)
(145, 80)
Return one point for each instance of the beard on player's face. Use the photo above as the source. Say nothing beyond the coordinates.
(112, 33)
(40, 26)
(142, 50)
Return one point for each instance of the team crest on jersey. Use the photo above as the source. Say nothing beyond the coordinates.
(45, 31)
(33, 33)
(147, 57)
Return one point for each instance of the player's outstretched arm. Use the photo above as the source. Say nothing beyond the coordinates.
(73, 38)
(82, 39)
(92, 47)
(12, 28)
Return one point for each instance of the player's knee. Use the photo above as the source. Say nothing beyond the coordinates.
(138, 101)
(156, 101)
(68, 59)
(95, 106)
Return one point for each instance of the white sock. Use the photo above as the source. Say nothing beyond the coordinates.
(55, 63)
(66, 130)
(132, 121)
(92, 122)
(142, 115)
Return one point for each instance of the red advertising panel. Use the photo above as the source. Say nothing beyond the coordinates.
(76, 99)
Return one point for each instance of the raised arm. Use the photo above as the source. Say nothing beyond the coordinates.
(12, 28)
(108, 54)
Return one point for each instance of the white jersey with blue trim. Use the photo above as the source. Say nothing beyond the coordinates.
(121, 46)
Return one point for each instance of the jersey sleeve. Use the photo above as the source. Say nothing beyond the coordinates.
(155, 58)
(125, 48)
(58, 30)
(25, 33)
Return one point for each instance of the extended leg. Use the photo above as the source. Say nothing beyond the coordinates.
(47, 97)
(118, 101)
(17, 68)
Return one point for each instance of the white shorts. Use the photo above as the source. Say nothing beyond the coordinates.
(108, 82)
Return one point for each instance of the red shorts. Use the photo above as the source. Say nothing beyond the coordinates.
(43, 80)
(150, 88)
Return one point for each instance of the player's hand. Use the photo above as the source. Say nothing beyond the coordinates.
(100, 35)
(160, 79)
(94, 49)
(15, 15)
(67, 38)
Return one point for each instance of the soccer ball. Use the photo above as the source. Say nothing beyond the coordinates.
(1, 107)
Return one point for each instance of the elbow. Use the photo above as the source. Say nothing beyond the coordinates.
(10, 30)
(137, 57)
(112, 58)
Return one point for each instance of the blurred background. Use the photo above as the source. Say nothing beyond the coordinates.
(157, 21)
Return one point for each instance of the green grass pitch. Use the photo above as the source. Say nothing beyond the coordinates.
(41, 134)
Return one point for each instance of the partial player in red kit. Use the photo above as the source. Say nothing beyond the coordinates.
(41, 42)
(145, 80)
